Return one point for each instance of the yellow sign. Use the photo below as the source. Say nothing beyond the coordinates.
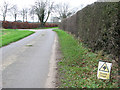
(104, 70)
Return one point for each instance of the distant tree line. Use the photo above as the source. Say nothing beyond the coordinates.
(41, 9)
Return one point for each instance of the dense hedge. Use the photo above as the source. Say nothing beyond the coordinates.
(24, 25)
(97, 25)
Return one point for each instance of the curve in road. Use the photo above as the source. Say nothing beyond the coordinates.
(25, 63)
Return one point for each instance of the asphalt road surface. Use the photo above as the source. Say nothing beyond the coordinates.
(25, 63)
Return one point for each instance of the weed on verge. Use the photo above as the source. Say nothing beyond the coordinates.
(78, 68)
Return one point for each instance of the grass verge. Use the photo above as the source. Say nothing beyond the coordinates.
(47, 28)
(10, 35)
(78, 67)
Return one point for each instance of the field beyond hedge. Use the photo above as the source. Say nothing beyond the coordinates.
(78, 67)
(11, 35)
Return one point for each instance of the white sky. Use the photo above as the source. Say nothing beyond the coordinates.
(27, 3)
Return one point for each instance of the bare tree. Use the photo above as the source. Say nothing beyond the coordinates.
(4, 9)
(63, 10)
(27, 10)
(32, 13)
(43, 10)
(24, 14)
(14, 12)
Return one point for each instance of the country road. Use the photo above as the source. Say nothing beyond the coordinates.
(26, 63)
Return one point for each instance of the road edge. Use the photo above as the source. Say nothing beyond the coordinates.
(51, 80)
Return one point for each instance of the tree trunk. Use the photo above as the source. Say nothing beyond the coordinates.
(15, 17)
(41, 21)
(3, 18)
(26, 17)
(42, 24)
(23, 19)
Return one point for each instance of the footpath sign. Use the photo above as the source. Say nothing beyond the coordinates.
(104, 70)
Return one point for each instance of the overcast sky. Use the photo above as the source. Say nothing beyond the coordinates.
(27, 3)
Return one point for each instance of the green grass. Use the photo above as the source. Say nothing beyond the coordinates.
(10, 35)
(78, 67)
(47, 28)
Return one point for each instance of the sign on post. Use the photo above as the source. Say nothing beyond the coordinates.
(104, 70)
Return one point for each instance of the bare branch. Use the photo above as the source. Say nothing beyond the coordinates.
(63, 10)
(4, 9)
(43, 10)
(24, 13)
(14, 11)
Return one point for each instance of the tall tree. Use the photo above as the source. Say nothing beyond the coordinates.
(24, 14)
(63, 10)
(4, 9)
(32, 13)
(43, 10)
(14, 12)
